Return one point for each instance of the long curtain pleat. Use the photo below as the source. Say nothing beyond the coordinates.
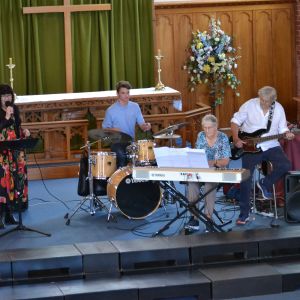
(107, 46)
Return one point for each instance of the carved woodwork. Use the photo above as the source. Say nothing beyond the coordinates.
(56, 137)
(72, 106)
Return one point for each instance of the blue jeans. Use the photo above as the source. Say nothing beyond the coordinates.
(281, 165)
(120, 150)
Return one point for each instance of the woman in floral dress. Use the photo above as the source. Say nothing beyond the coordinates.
(13, 171)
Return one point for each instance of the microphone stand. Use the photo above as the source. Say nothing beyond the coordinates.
(13, 146)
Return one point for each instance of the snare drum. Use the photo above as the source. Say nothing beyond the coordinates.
(135, 199)
(104, 164)
(145, 153)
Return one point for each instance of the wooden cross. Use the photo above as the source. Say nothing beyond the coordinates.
(67, 9)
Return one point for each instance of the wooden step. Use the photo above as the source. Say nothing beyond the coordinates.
(53, 171)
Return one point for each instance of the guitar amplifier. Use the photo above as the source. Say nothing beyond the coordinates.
(292, 197)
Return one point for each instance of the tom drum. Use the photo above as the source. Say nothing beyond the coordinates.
(104, 164)
(145, 153)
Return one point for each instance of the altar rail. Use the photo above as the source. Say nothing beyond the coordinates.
(75, 106)
(59, 158)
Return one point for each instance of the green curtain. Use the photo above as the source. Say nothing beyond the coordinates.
(107, 46)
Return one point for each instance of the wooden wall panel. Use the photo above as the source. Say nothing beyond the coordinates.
(283, 58)
(183, 29)
(225, 111)
(265, 33)
(242, 38)
(263, 46)
(165, 32)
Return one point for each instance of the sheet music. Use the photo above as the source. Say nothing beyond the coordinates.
(180, 157)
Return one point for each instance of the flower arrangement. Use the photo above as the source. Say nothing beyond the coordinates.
(212, 61)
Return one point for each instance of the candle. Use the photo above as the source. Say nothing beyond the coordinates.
(158, 52)
(10, 61)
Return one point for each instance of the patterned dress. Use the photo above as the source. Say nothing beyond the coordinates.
(13, 169)
(220, 149)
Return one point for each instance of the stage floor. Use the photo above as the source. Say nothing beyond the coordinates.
(124, 246)
(49, 202)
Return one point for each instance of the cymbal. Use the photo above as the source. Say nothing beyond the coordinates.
(167, 136)
(171, 128)
(109, 135)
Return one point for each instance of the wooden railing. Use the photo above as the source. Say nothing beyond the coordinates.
(62, 132)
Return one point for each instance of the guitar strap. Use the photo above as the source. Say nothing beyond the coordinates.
(270, 118)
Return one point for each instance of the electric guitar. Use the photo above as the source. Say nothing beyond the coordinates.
(252, 139)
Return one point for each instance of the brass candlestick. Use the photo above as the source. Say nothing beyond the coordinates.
(11, 78)
(159, 86)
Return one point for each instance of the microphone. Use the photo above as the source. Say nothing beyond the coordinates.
(7, 104)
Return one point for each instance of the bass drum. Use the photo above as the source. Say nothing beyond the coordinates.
(134, 198)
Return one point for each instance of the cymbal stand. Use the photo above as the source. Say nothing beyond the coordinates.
(132, 152)
(171, 133)
(95, 202)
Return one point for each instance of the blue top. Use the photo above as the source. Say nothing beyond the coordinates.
(221, 148)
(123, 117)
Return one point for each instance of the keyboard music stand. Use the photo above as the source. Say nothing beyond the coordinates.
(192, 207)
(20, 144)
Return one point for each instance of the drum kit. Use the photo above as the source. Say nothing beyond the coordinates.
(135, 199)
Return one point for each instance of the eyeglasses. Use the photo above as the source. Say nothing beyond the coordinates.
(6, 96)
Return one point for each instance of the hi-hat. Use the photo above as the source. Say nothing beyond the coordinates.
(109, 135)
(171, 128)
(167, 136)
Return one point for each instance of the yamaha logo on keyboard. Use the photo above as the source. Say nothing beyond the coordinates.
(158, 175)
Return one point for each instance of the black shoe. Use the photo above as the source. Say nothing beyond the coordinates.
(209, 226)
(192, 224)
(10, 219)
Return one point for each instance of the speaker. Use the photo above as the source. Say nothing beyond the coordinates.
(292, 197)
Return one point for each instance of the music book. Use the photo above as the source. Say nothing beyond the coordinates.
(180, 157)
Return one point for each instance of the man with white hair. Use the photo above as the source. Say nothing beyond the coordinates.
(265, 116)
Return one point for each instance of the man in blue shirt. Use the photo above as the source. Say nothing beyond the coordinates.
(122, 116)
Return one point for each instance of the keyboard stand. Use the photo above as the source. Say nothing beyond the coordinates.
(192, 207)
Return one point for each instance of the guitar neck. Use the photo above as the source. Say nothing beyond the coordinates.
(267, 138)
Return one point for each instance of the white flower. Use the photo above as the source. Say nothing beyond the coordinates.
(222, 56)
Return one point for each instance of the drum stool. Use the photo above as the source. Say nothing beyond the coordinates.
(262, 170)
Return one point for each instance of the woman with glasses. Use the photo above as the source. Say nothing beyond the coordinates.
(217, 150)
